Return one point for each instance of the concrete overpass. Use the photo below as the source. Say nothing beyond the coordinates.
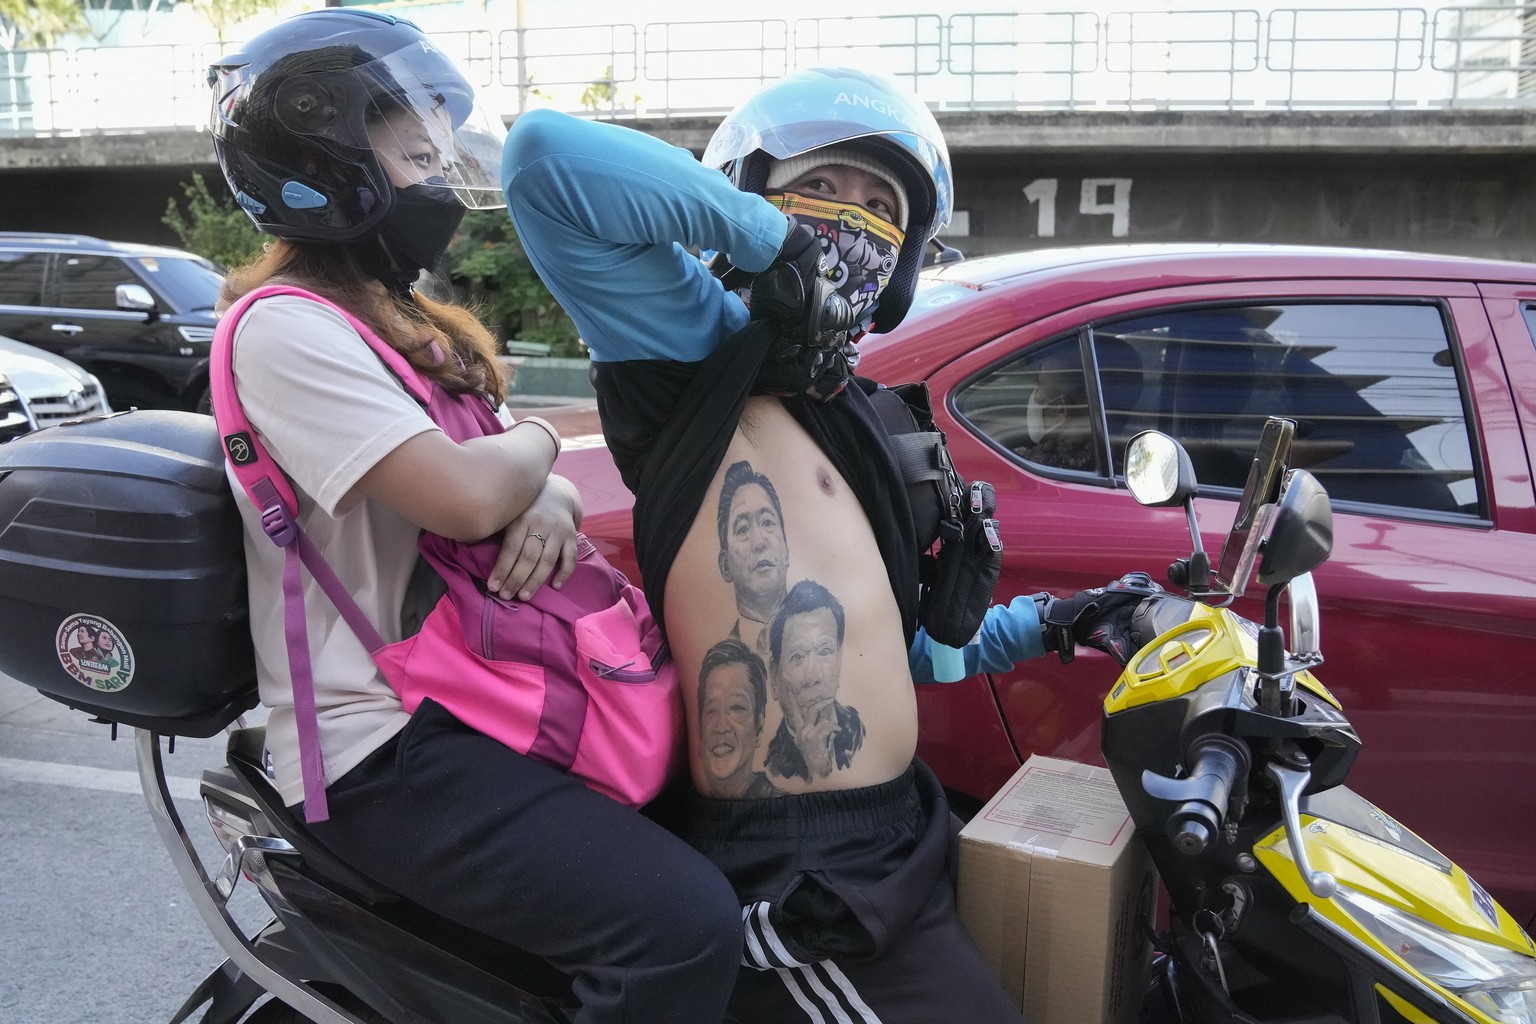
(1447, 180)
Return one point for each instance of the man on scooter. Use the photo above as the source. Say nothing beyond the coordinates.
(834, 182)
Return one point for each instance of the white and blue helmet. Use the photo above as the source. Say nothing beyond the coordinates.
(819, 107)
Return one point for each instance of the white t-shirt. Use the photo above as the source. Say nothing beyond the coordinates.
(327, 410)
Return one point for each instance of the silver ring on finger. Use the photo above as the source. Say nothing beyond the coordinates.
(538, 537)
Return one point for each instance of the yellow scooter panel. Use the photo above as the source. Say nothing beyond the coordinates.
(1210, 643)
(1431, 888)
(1441, 895)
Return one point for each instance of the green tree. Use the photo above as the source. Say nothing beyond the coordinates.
(225, 14)
(489, 270)
(38, 24)
(603, 93)
(212, 226)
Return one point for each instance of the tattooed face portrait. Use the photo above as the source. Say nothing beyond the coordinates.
(754, 550)
(809, 664)
(733, 698)
(818, 733)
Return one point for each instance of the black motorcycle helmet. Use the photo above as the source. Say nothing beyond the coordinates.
(291, 114)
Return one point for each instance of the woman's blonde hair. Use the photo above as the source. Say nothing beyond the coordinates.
(446, 342)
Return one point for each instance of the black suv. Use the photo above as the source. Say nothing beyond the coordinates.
(139, 317)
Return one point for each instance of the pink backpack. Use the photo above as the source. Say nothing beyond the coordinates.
(575, 677)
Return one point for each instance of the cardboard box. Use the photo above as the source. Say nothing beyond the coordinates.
(1057, 890)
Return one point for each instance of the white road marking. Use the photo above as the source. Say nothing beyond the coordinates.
(105, 779)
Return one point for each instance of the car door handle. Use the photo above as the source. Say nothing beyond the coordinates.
(69, 329)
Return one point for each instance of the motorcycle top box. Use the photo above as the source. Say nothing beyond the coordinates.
(122, 572)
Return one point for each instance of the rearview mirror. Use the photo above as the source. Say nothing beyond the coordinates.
(1301, 534)
(1158, 471)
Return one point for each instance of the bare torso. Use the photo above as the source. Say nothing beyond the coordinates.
(799, 582)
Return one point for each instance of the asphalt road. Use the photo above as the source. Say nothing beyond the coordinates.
(95, 927)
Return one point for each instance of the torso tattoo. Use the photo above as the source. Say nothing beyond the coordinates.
(787, 636)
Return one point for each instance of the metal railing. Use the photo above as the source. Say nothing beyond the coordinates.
(1289, 59)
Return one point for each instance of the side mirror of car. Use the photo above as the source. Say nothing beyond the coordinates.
(135, 298)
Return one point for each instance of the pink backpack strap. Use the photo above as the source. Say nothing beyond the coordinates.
(269, 490)
(251, 463)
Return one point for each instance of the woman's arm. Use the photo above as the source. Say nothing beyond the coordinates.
(462, 491)
(607, 215)
(342, 428)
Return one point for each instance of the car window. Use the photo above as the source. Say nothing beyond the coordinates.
(90, 282)
(189, 284)
(1037, 406)
(21, 278)
(1373, 387)
(1529, 312)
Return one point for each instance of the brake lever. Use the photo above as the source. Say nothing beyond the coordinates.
(1291, 782)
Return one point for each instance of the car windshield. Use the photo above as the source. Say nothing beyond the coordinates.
(187, 282)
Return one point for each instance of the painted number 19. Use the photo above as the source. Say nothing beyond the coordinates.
(1093, 202)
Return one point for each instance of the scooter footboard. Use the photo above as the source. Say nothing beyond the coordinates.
(395, 969)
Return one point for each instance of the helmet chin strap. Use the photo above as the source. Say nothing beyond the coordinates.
(399, 280)
(375, 260)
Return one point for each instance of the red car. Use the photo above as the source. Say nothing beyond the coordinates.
(1413, 382)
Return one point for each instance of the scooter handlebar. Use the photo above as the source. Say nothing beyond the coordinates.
(1192, 827)
(1216, 764)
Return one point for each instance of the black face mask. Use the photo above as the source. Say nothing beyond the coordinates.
(418, 230)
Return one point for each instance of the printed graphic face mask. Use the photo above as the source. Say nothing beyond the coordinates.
(861, 248)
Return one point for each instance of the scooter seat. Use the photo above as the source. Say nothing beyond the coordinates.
(247, 755)
(528, 971)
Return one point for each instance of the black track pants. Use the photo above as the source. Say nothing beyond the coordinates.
(458, 823)
(848, 902)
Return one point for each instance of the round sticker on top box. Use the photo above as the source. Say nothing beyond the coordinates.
(95, 652)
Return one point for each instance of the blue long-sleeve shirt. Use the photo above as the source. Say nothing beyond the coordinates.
(607, 216)
(1010, 633)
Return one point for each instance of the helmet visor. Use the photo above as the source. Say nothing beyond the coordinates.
(819, 107)
(423, 121)
(789, 140)
(412, 108)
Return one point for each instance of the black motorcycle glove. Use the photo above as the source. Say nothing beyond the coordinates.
(813, 353)
(1099, 618)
